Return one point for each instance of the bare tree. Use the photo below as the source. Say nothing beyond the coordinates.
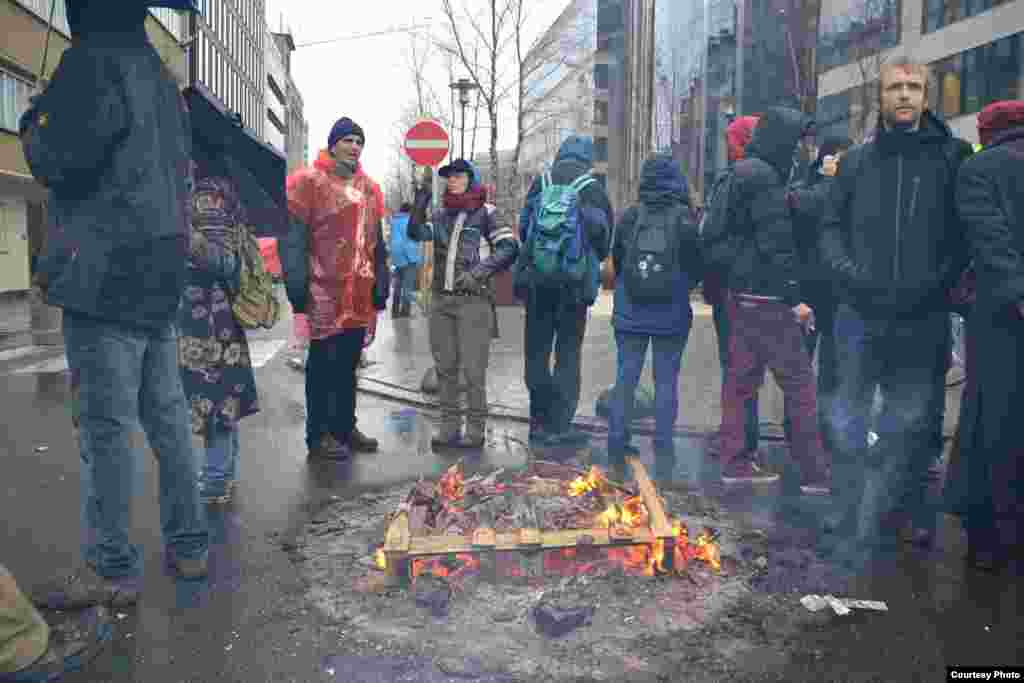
(864, 33)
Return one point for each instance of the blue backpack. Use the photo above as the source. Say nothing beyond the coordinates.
(556, 252)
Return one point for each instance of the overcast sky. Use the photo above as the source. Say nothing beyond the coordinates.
(365, 79)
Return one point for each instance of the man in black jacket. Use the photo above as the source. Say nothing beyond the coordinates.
(558, 316)
(894, 246)
(991, 471)
(766, 309)
(110, 138)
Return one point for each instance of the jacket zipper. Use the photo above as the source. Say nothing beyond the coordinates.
(899, 217)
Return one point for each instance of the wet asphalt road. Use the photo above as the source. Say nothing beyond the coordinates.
(250, 622)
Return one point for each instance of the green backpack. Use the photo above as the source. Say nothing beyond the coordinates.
(255, 305)
(556, 247)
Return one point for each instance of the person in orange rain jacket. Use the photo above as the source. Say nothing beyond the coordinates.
(335, 262)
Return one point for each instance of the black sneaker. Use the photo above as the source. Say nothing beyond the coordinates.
(330, 448)
(744, 471)
(361, 443)
(73, 642)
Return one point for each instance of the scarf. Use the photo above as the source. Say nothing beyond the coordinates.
(471, 200)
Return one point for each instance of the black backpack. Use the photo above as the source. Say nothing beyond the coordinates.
(652, 267)
(719, 243)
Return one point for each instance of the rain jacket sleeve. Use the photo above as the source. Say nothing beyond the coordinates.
(294, 244)
(70, 130)
(992, 236)
(503, 243)
(597, 219)
(622, 236)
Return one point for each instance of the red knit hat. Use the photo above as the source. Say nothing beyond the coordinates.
(738, 135)
(997, 117)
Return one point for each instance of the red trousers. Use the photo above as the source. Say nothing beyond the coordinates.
(766, 335)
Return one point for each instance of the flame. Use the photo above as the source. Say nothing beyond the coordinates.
(595, 480)
(452, 485)
(708, 550)
(380, 559)
(438, 567)
(631, 513)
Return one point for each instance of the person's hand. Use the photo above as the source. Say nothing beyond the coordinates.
(804, 315)
(608, 275)
(829, 165)
(371, 331)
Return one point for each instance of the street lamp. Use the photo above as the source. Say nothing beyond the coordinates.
(464, 86)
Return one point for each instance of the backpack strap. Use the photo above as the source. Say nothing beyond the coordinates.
(545, 181)
(581, 182)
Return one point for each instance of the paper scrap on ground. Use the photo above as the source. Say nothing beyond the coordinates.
(840, 606)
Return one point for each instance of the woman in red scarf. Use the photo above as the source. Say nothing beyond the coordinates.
(462, 308)
(987, 482)
(335, 263)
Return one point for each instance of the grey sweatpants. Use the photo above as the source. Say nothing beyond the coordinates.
(460, 338)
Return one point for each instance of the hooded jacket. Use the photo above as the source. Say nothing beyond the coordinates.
(575, 157)
(891, 237)
(767, 264)
(110, 138)
(990, 197)
(663, 187)
(404, 251)
(480, 246)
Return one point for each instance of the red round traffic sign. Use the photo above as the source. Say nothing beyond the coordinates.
(426, 143)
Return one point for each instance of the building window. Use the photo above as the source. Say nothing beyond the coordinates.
(939, 13)
(14, 94)
(970, 81)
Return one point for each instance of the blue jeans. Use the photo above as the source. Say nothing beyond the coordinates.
(123, 375)
(903, 357)
(405, 285)
(668, 358)
(222, 450)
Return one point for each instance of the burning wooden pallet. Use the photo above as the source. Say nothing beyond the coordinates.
(628, 526)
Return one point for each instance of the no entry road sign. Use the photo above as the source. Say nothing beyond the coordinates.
(426, 143)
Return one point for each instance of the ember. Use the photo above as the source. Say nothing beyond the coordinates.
(380, 559)
(632, 513)
(593, 481)
(452, 485)
(446, 568)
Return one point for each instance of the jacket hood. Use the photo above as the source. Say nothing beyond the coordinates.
(738, 135)
(662, 182)
(89, 17)
(577, 148)
(776, 137)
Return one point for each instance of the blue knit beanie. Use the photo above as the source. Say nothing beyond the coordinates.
(345, 126)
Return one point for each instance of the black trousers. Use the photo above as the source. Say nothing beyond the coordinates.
(331, 385)
(556, 322)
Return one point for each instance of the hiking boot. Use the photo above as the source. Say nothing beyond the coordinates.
(446, 438)
(746, 471)
(73, 642)
(361, 443)
(330, 448)
(85, 588)
(189, 568)
(473, 439)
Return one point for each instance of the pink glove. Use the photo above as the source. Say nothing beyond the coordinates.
(300, 330)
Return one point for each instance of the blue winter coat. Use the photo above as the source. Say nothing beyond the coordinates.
(662, 188)
(404, 251)
(110, 138)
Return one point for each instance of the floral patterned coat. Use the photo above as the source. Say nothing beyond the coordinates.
(216, 369)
